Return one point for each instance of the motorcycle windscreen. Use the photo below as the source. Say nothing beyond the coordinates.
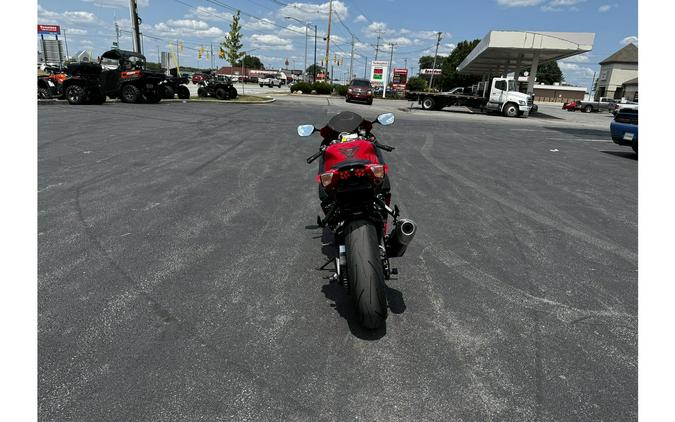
(354, 152)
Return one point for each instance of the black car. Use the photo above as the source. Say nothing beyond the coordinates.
(119, 74)
(219, 86)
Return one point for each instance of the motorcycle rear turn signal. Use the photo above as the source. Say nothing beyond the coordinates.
(378, 170)
(326, 178)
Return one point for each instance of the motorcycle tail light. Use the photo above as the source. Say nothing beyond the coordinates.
(326, 178)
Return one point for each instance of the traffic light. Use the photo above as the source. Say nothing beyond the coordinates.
(180, 46)
(221, 53)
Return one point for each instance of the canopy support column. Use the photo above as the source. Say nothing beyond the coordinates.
(533, 73)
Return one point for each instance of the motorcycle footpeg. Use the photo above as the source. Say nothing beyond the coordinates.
(394, 271)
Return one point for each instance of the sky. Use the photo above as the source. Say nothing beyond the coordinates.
(410, 26)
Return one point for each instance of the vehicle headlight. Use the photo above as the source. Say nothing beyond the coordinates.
(349, 90)
(521, 102)
(370, 92)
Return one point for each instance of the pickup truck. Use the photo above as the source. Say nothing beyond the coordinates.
(270, 82)
(603, 104)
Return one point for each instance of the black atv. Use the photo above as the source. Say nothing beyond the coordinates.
(219, 86)
(119, 74)
(175, 85)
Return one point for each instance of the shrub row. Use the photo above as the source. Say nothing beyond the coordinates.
(321, 88)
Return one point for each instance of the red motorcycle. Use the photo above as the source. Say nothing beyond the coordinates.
(355, 197)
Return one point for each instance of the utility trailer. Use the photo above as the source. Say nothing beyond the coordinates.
(500, 96)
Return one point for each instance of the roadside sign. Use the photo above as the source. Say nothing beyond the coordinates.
(49, 29)
(400, 78)
(430, 71)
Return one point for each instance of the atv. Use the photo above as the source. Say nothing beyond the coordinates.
(119, 74)
(51, 84)
(175, 85)
(219, 86)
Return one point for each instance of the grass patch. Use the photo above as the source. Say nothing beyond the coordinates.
(252, 98)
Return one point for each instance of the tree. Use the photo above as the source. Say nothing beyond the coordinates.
(450, 78)
(427, 62)
(319, 69)
(549, 73)
(232, 43)
(251, 62)
(417, 83)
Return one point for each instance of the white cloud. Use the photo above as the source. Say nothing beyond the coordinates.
(259, 25)
(443, 50)
(575, 69)
(124, 4)
(377, 27)
(270, 42)
(312, 12)
(399, 41)
(604, 8)
(209, 14)
(360, 19)
(579, 58)
(296, 31)
(65, 18)
(629, 40)
(76, 31)
(518, 3)
(187, 28)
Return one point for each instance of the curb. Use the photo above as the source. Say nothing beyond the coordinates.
(267, 100)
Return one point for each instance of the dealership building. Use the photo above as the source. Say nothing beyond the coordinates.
(618, 75)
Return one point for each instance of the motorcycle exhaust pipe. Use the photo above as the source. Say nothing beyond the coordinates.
(400, 237)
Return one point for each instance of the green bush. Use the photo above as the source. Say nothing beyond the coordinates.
(416, 83)
(341, 90)
(322, 88)
(304, 87)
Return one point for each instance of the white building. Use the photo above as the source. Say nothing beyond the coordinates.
(615, 70)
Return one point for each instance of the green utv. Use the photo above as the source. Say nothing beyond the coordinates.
(118, 74)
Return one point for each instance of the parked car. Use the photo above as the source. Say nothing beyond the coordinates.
(616, 107)
(571, 106)
(270, 82)
(624, 128)
(359, 90)
(199, 77)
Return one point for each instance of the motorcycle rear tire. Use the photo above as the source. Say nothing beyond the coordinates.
(365, 273)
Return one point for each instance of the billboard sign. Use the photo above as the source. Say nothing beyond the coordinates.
(49, 29)
(378, 72)
(400, 78)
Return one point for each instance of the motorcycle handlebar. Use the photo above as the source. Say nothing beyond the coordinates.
(384, 147)
(314, 156)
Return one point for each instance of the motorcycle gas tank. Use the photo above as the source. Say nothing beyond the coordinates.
(357, 152)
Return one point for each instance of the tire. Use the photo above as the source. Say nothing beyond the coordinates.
(428, 103)
(154, 96)
(365, 273)
(202, 92)
(233, 93)
(97, 98)
(43, 93)
(183, 92)
(261, 86)
(221, 94)
(370, 102)
(168, 92)
(588, 108)
(75, 94)
(635, 147)
(130, 94)
(510, 110)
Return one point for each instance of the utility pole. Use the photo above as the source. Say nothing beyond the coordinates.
(117, 33)
(213, 66)
(351, 59)
(391, 58)
(135, 21)
(177, 59)
(365, 68)
(377, 46)
(314, 67)
(304, 70)
(433, 67)
(65, 39)
(330, 14)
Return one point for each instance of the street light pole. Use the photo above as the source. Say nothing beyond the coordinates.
(306, 25)
(314, 67)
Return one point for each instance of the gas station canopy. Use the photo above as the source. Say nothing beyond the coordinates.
(501, 52)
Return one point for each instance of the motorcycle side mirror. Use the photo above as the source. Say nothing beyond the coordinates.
(306, 130)
(385, 119)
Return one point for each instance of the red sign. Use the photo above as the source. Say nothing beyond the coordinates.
(49, 29)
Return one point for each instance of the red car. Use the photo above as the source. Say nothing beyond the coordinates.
(360, 90)
(572, 106)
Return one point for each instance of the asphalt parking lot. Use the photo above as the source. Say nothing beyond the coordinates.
(178, 281)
